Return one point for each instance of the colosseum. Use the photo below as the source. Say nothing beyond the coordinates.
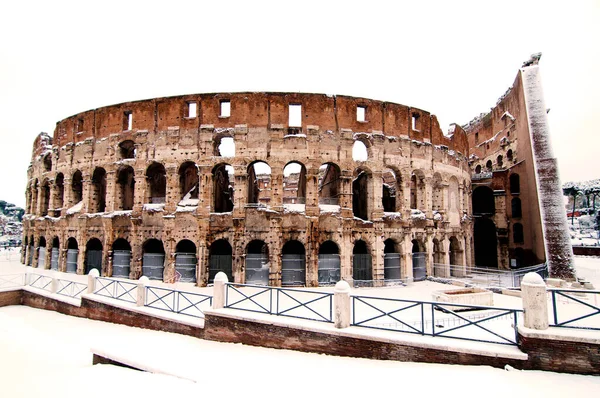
(282, 189)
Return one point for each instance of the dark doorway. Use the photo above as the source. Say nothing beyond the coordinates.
(93, 255)
(329, 263)
(486, 243)
(220, 260)
(293, 264)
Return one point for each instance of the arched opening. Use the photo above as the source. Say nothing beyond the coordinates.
(359, 152)
(329, 184)
(437, 193)
(153, 259)
(220, 254)
(224, 146)
(186, 261)
(486, 243)
(455, 256)
(156, 180)
(499, 161)
(389, 191)
(519, 257)
(223, 188)
(55, 253)
(518, 233)
(391, 261)
(478, 169)
(34, 197)
(293, 264)
(126, 188)
(294, 184)
(360, 194)
(417, 190)
(77, 187)
(257, 263)
(121, 258)
(45, 199)
(418, 259)
(42, 253)
(127, 150)
(93, 255)
(47, 162)
(59, 193)
(488, 166)
(439, 268)
(72, 253)
(515, 185)
(259, 184)
(515, 205)
(189, 185)
(483, 201)
(98, 198)
(329, 263)
(361, 262)
(509, 155)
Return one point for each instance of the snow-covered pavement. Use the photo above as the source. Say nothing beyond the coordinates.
(47, 354)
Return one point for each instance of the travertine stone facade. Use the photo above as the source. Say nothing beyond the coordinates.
(160, 176)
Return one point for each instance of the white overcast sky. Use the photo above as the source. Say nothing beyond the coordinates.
(451, 58)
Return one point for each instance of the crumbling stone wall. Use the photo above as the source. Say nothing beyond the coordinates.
(103, 151)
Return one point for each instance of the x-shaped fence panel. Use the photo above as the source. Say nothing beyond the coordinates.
(13, 280)
(70, 288)
(388, 314)
(179, 302)
(40, 281)
(575, 308)
(120, 290)
(252, 298)
(304, 304)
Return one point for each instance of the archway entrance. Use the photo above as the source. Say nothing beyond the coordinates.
(293, 264)
(391, 261)
(361, 262)
(93, 255)
(185, 261)
(121, 258)
(42, 253)
(329, 263)
(72, 253)
(257, 263)
(418, 259)
(54, 254)
(220, 253)
(153, 259)
(486, 243)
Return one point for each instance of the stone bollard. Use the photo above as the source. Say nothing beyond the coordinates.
(535, 303)
(141, 291)
(92, 280)
(219, 287)
(54, 284)
(341, 305)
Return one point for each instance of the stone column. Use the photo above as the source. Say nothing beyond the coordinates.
(86, 183)
(139, 194)
(111, 190)
(68, 195)
(312, 192)
(429, 249)
(535, 304)
(375, 197)
(446, 248)
(408, 261)
(173, 193)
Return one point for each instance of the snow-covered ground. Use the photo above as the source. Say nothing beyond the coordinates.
(46, 354)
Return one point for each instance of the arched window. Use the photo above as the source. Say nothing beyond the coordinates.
(499, 161)
(294, 183)
(45, 199)
(361, 262)
(127, 150)
(359, 152)
(478, 169)
(156, 178)
(360, 194)
(77, 187)
(47, 162)
(390, 190)
(223, 188)
(59, 193)
(98, 199)
(329, 184)
(518, 233)
(509, 155)
(188, 181)
(488, 165)
(126, 188)
(259, 182)
(515, 205)
(483, 201)
(515, 185)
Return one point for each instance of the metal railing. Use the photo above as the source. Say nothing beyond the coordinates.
(177, 301)
(570, 309)
(12, 280)
(487, 276)
(294, 303)
(70, 288)
(290, 200)
(423, 317)
(481, 176)
(40, 281)
(117, 289)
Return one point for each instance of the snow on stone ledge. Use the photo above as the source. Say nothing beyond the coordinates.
(294, 208)
(392, 215)
(76, 208)
(154, 207)
(417, 214)
(329, 208)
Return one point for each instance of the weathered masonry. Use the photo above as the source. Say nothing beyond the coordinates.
(261, 185)
(295, 189)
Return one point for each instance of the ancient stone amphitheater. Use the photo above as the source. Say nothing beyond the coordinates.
(271, 188)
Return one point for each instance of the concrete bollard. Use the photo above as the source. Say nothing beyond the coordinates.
(54, 284)
(219, 291)
(341, 305)
(92, 280)
(141, 291)
(535, 303)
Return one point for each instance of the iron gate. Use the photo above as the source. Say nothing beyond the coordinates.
(329, 269)
(153, 265)
(257, 269)
(93, 259)
(361, 267)
(121, 263)
(54, 258)
(72, 260)
(185, 264)
(219, 263)
(42, 257)
(419, 270)
(30, 258)
(293, 270)
(391, 266)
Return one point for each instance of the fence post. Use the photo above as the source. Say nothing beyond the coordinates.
(219, 291)
(341, 305)
(54, 284)
(93, 274)
(535, 304)
(141, 291)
